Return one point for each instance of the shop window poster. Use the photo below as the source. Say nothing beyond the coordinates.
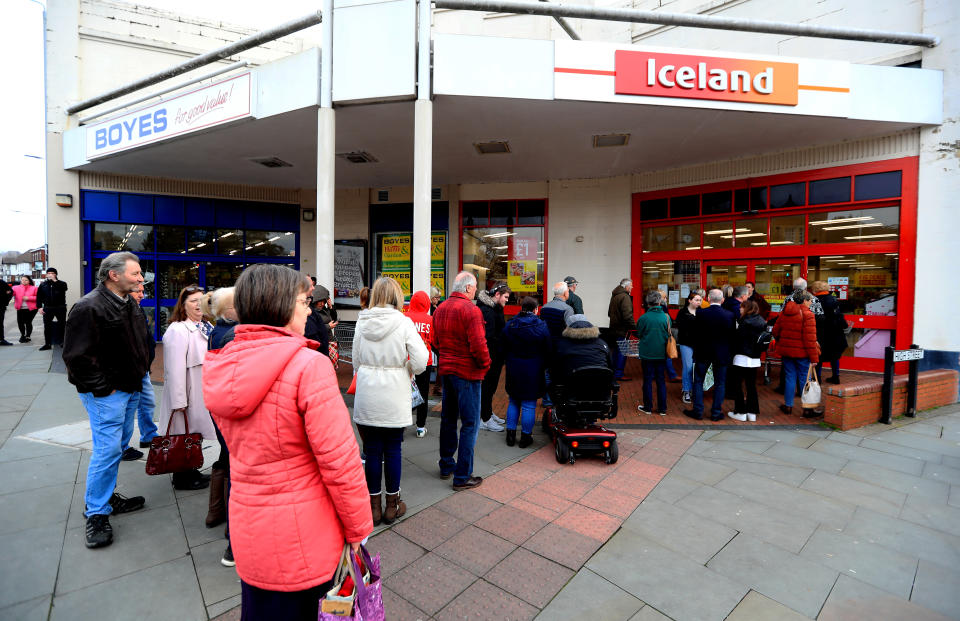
(349, 271)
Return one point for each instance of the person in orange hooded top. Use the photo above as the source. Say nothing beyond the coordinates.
(419, 314)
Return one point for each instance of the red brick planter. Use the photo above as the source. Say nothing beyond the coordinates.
(858, 403)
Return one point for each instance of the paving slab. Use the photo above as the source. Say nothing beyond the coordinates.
(530, 577)
(701, 470)
(905, 537)
(690, 534)
(231, 603)
(789, 474)
(869, 456)
(649, 613)
(844, 438)
(859, 558)
(33, 610)
(924, 429)
(37, 472)
(30, 562)
(673, 487)
(799, 501)
(395, 552)
(587, 590)
(485, 602)
(897, 481)
(19, 447)
(942, 472)
(217, 582)
(808, 459)
(395, 607)
(853, 599)
(475, 550)
(787, 578)
(873, 497)
(932, 514)
(912, 440)
(758, 607)
(673, 584)
(936, 588)
(430, 582)
(903, 450)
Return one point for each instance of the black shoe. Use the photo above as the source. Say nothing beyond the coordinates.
(6, 342)
(46, 347)
(122, 504)
(692, 414)
(189, 480)
(470, 483)
(834, 380)
(145, 444)
(811, 413)
(227, 559)
(23, 339)
(131, 454)
(511, 437)
(99, 531)
(779, 390)
(525, 440)
(715, 417)
(446, 476)
(27, 339)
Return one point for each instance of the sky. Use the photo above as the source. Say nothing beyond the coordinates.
(22, 148)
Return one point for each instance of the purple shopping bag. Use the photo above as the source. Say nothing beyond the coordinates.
(369, 599)
(366, 603)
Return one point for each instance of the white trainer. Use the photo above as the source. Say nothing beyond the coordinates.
(740, 417)
(499, 420)
(491, 425)
(752, 418)
(421, 431)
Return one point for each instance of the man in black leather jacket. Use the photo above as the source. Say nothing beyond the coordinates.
(52, 300)
(107, 357)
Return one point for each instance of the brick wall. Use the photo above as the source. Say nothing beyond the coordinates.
(858, 403)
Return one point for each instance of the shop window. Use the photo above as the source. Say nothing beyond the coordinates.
(685, 206)
(222, 274)
(830, 191)
(171, 239)
(147, 268)
(503, 213)
(674, 278)
(506, 255)
(150, 312)
(719, 234)
(715, 203)
(653, 209)
(531, 211)
(786, 230)
(668, 238)
(855, 225)
(200, 241)
(877, 185)
(758, 199)
(122, 237)
(751, 233)
(865, 284)
(270, 244)
(774, 281)
(788, 195)
(393, 259)
(173, 276)
(476, 213)
(229, 242)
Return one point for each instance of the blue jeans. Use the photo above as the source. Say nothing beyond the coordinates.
(546, 401)
(686, 375)
(619, 362)
(525, 410)
(719, 387)
(383, 449)
(111, 425)
(653, 371)
(461, 402)
(145, 407)
(795, 369)
(671, 370)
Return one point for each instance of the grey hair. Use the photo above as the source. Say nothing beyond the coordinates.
(434, 292)
(652, 298)
(739, 291)
(715, 295)
(218, 301)
(116, 262)
(625, 282)
(560, 288)
(800, 283)
(464, 280)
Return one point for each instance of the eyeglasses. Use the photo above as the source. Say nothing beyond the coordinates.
(191, 289)
(305, 302)
(309, 299)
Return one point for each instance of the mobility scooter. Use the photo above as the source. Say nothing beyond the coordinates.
(589, 394)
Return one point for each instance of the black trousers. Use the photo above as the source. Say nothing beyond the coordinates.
(489, 387)
(3, 312)
(53, 330)
(739, 378)
(423, 385)
(262, 605)
(25, 320)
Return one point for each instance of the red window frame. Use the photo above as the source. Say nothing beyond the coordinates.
(905, 245)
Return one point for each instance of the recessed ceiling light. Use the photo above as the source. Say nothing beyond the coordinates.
(610, 140)
(358, 157)
(492, 147)
(271, 162)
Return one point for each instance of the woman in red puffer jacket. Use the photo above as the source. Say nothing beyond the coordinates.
(298, 490)
(796, 336)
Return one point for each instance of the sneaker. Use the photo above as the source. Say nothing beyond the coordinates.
(491, 425)
(752, 418)
(99, 531)
(686, 397)
(131, 454)
(499, 420)
(470, 483)
(421, 431)
(23, 339)
(662, 412)
(122, 504)
(740, 417)
(643, 410)
(227, 559)
(46, 348)
(6, 342)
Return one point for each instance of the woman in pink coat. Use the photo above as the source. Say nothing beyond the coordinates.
(297, 485)
(184, 348)
(25, 301)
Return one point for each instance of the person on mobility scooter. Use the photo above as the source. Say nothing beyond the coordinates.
(583, 390)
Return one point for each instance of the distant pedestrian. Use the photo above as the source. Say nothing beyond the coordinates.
(423, 322)
(796, 342)
(25, 301)
(146, 403)
(574, 300)
(435, 299)
(686, 338)
(491, 305)
(298, 491)
(620, 312)
(6, 294)
(464, 359)
(526, 347)
(671, 370)
(318, 328)
(556, 314)
(713, 339)
(737, 297)
(653, 330)
(762, 303)
(831, 331)
(105, 351)
(52, 300)
(746, 361)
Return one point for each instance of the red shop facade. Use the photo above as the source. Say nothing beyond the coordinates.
(851, 227)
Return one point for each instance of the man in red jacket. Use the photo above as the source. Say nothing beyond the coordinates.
(459, 336)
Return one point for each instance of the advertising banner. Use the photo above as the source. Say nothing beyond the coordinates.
(349, 271)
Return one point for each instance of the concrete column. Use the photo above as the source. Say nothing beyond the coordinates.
(326, 184)
(422, 180)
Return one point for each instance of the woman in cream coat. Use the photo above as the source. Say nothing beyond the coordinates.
(387, 353)
(184, 348)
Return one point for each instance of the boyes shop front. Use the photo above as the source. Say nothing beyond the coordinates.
(548, 161)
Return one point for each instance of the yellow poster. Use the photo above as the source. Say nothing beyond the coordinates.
(522, 276)
(395, 252)
(403, 278)
(438, 280)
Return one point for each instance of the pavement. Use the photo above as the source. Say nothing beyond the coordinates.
(727, 523)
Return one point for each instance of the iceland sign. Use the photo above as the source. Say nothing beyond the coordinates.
(204, 107)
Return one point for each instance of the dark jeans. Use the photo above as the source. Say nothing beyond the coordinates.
(423, 385)
(262, 605)
(461, 402)
(619, 361)
(741, 377)
(834, 365)
(3, 312)
(53, 331)
(223, 462)
(653, 370)
(489, 388)
(719, 387)
(25, 321)
(384, 454)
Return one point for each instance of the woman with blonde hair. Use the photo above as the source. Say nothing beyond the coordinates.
(387, 353)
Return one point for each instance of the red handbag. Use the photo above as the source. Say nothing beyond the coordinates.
(177, 452)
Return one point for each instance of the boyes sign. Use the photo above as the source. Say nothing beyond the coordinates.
(203, 107)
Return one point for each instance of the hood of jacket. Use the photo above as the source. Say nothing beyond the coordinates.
(419, 302)
(654, 309)
(321, 293)
(619, 289)
(484, 298)
(791, 309)
(375, 324)
(580, 332)
(238, 377)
